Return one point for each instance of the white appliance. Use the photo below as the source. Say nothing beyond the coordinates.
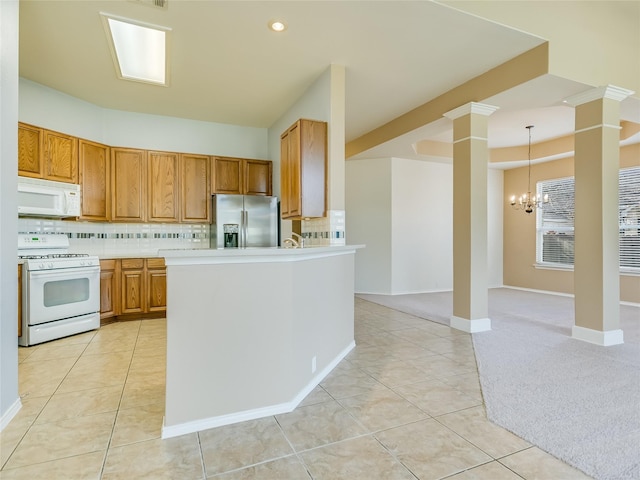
(60, 290)
(45, 198)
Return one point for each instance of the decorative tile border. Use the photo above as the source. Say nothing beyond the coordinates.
(325, 231)
(97, 238)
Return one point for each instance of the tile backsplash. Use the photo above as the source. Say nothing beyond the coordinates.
(112, 238)
(327, 231)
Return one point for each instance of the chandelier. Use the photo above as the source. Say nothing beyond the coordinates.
(528, 202)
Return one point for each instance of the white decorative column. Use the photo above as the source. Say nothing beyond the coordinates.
(597, 253)
(470, 160)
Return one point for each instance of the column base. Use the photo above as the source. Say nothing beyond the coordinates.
(470, 326)
(604, 339)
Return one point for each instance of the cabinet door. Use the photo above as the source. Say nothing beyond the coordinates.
(312, 168)
(156, 285)
(195, 188)
(162, 171)
(132, 286)
(227, 175)
(291, 172)
(128, 175)
(95, 176)
(30, 151)
(60, 157)
(109, 298)
(257, 177)
(285, 188)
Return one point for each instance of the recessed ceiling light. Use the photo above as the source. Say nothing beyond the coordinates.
(139, 50)
(277, 25)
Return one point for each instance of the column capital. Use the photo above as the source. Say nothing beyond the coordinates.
(607, 91)
(471, 107)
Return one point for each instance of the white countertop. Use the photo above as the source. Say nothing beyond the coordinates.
(251, 255)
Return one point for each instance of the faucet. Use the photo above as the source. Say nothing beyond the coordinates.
(300, 242)
(292, 243)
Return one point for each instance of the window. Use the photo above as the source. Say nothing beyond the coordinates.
(139, 50)
(555, 235)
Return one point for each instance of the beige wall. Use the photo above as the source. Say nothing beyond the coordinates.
(593, 42)
(520, 232)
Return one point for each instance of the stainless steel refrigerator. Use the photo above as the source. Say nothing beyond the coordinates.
(241, 221)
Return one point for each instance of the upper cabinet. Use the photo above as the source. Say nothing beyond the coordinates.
(128, 184)
(241, 176)
(30, 151)
(162, 174)
(95, 180)
(195, 171)
(257, 177)
(47, 154)
(303, 170)
(134, 185)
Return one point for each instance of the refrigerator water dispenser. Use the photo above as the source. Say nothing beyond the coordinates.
(230, 235)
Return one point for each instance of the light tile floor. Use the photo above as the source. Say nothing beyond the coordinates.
(405, 404)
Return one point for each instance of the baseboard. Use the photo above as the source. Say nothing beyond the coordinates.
(476, 325)
(403, 293)
(560, 294)
(597, 337)
(546, 292)
(253, 414)
(11, 412)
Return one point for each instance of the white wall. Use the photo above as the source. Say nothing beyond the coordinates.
(314, 104)
(422, 228)
(368, 222)
(9, 398)
(45, 107)
(402, 210)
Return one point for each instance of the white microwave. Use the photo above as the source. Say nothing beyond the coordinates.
(46, 198)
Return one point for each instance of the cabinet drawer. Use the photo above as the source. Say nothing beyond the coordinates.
(129, 263)
(155, 263)
(108, 264)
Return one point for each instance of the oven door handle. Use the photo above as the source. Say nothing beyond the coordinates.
(65, 272)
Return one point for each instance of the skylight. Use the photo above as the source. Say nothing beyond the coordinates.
(139, 50)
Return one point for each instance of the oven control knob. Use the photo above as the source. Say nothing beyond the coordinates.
(41, 265)
(50, 265)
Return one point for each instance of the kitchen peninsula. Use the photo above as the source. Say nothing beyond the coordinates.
(251, 332)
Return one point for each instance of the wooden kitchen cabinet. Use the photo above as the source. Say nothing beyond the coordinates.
(241, 176)
(195, 188)
(109, 288)
(95, 180)
(257, 177)
(47, 154)
(156, 281)
(128, 184)
(60, 157)
(132, 286)
(227, 175)
(303, 170)
(163, 184)
(30, 151)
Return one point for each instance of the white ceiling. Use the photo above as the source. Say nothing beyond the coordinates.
(227, 67)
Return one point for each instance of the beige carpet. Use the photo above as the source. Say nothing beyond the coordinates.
(577, 401)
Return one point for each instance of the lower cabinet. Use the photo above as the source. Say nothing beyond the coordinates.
(132, 286)
(109, 288)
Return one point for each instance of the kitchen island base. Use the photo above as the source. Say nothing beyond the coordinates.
(251, 333)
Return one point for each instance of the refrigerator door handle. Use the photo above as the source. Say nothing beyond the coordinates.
(245, 227)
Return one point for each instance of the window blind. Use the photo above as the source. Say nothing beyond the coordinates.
(555, 235)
